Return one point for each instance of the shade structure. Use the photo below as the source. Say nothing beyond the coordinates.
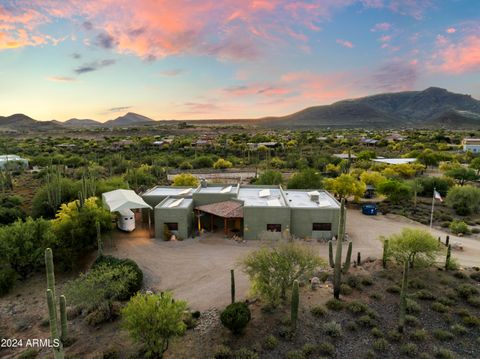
(226, 209)
(123, 199)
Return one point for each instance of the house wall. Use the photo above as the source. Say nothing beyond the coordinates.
(472, 148)
(255, 220)
(201, 199)
(303, 218)
(182, 216)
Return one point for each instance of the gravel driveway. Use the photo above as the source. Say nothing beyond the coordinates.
(198, 270)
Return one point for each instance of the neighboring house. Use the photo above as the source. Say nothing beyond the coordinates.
(368, 141)
(13, 160)
(345, 156)
(255, 146)
(394, 161)
(251, 212)
(471, 144)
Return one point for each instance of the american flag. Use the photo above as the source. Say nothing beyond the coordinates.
(437, 195)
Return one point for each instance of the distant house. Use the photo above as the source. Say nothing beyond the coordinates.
(5, 160)
(66, 145)
(471, 144)
(394, 161)
(345, 156)
(394, 137)
(121, 144)
(368, 141)
(255, 146)
(202, 143)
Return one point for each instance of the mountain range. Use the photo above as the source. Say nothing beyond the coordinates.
(433, 107)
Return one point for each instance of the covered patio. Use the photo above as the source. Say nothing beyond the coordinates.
(228, 211)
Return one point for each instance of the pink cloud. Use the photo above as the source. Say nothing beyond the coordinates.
(457, 57)
(383, 26)
(385, 38)
(344, 43)
(451, 30)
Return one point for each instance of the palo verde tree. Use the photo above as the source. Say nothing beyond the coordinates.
(272, 271)
(185, 179)
(153, 320)
(411, 247)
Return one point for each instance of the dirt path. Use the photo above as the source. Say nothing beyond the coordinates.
(198, 270)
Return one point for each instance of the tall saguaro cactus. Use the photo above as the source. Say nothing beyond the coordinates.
(385, 253)
(448, 258)
(58, 352)
(99, 240)
(337, 264)
(294, 305)
(403, 298)
(232, 285)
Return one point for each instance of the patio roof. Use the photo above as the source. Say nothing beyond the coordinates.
(226, 209)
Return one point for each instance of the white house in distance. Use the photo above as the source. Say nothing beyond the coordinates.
(5, 159)
(471, 144)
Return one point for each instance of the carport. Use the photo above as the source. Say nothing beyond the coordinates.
(227, 210)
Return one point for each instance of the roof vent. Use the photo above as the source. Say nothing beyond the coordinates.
(264, 193)
(203, 183)
(314, 196)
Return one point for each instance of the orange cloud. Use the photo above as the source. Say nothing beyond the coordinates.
(345, 43)
(457, 57)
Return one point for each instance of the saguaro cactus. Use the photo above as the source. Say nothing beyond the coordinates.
(294, 305)
(99, 240)
(52, 307)
(403, 298)
(232, 284)
(330, 254)
(385, 253)
(337, 264)
(448, 258)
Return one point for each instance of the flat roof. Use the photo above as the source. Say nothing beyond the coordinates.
(251, 197)
(176, 203)
(302, 199)
(395, 161)
(169, 191)
(218, 189)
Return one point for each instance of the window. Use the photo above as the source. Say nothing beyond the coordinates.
(274, 227)
(172, 226)
(321, 226)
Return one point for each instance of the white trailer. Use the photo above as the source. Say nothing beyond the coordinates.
(126, 220)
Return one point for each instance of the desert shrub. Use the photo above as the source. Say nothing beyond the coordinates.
(394, 289)
(377, 333)
(102, 314)
(273, 270)
(370, 354)
(380, 345)
(459, 227)
(104, 283)
(464, 199)
(270, 342)
(366, 321)
(409, 349)
(28, 354)
(466, 290)
(394, 336)
(412, 321)
(153, 320)
(351, 326)
(235, 317)
(377, 296)
(110, 353)
(326, 348)
(443, 353)
(474, 301)
(475, 276)
(458, 329)
(419, 335)
(446, 301)
(308, 349)
(366, 280)
(425, 295)
(412, 307)
(222, 352)
(334, 304)
(294, 354)
(333, 329)
(318, 311)
(471, 320)
(7, 280)
(356, 307)
(345, 289)
(442, 334)
(354, 282)
(244, 353)
(439, 307)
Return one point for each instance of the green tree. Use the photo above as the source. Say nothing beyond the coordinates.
(416, 187)
(396, 191)
(372, 178)
(465, 200)
(273, 270)
(42, 207)
(462, 175)
(222, 164)
(411, 246)
(76, 230)
(153, 320)
(345, 185)
(185, 179)
(305, 179)
(269, 177)
(11, 209)
(22, 244)
(475, 164)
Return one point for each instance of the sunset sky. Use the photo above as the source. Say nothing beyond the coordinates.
(192, 59)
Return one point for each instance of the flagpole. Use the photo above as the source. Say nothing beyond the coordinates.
(433, 206)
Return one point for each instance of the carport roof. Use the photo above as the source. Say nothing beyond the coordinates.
(226, 209)
(122, 199)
